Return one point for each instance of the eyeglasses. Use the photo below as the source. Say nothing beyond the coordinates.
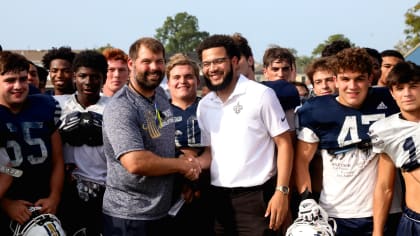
(216, 62)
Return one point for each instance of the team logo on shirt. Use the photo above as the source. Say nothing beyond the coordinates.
(151, 125)
(237, 108)
(382, 106)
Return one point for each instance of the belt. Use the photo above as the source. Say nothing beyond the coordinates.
(237, 190)
(269, 184)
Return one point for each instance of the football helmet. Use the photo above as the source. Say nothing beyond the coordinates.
(38, 225)
(312, 220)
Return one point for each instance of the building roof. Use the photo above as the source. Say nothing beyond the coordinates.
(33, 55)
(414, 55)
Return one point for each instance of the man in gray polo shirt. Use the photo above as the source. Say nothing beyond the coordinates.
(139, 135)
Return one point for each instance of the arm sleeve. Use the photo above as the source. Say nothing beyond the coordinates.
(122, 129)
(305, 130)
(273, 114)
(204, 133)
(377, 142)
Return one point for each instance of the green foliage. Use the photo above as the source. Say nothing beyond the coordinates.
(412, 32)
(101, 49)
(180, 33)
(302, 62)
(317, 51)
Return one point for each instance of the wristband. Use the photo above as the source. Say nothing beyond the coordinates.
(306, 195)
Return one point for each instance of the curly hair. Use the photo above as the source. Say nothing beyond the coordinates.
(64, 53)
(91, 59)
(352, 59)
(219, 40)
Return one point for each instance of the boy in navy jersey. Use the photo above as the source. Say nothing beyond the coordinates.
(338, 125)
(32, 142)
(183, 78)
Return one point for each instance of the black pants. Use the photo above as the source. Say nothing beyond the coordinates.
(114, 226)
(76, 214)
(240, 211)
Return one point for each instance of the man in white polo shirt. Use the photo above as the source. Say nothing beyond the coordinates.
(242, 123)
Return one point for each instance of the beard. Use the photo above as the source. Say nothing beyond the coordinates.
(226, 82)
(146, 84)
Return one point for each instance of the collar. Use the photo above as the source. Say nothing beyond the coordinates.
(241, 86)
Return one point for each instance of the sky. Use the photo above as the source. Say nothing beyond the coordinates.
(298, 24)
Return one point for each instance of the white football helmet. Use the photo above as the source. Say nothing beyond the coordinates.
(312, 220)
(39, 225)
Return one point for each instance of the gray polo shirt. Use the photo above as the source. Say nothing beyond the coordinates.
(130, 124)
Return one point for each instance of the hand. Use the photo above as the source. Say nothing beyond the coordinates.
(189, 151)
(192, 168)
(187, 193)
(17, 210)
(68, 172)
(48, 205)
(277, 209)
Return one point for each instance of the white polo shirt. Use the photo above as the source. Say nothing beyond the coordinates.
(240, 133)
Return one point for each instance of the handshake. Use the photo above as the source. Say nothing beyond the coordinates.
(191, 168)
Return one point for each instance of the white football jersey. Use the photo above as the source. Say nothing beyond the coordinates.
(399, 138)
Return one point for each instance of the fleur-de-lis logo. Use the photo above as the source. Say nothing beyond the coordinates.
(237, 108)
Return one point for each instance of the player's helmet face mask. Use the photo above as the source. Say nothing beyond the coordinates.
(38, 225)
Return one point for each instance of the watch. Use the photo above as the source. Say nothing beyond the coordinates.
(283, 189)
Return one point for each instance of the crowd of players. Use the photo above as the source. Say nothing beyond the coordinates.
(114, 149)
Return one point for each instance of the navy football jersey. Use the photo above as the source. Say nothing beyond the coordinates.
(339, 127)
(187, 132)
(286, 93)
(28, 144)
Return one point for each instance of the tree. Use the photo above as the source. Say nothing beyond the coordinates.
(302, 62)
(180, 33)
(317, 51)
(412, 31)
(102, 48)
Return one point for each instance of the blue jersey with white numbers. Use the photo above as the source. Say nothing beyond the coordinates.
(285, 92)
(28, 144)
(187, 132)
(339, 127)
